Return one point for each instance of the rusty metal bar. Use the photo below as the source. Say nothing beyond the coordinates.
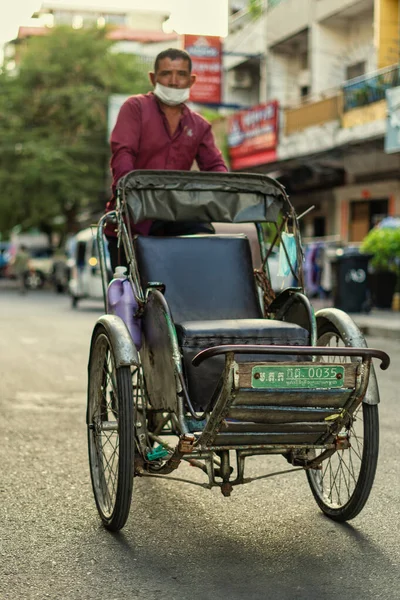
(102, 254)
(222, 405)
(269, 448)
(296, 350)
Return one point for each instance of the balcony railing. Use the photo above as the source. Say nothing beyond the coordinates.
(239, 20)
(313, 113)
(367, 89)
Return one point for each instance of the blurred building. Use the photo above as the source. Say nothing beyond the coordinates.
(137, 32)
(328, 64)
(245, 54)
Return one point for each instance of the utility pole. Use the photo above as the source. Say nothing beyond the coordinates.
(264, 59)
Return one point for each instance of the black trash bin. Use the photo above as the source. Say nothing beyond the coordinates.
(350, 281)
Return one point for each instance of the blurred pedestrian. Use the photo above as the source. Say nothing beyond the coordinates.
(21, 267)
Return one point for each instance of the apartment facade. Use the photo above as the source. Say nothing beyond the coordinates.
(328, 64)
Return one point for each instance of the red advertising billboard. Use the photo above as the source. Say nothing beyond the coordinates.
(206, 54)
(253, 136)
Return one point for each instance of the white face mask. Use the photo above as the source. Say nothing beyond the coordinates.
(171, 96)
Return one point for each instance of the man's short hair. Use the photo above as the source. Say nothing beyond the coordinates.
(173, 54)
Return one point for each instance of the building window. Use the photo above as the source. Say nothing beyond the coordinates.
(113, 19)
(304, 91)
(355, 70)
(77, 22)
(62, 17)
(364, 215)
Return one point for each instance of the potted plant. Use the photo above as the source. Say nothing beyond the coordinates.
(383, 243)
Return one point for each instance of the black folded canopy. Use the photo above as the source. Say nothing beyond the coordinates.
(202, 196)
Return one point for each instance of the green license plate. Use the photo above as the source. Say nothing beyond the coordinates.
(287, 377)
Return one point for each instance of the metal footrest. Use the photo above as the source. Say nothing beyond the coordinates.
(270, 404)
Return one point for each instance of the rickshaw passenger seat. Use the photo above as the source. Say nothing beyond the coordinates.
(211, 292)
(195, 336)
(207, 277)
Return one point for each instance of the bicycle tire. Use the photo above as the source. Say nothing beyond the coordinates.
(110, 433)
(337, 505)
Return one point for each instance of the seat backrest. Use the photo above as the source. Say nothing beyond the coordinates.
(247, 229)
(207, 277)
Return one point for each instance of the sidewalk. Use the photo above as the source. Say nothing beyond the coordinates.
(379, 322)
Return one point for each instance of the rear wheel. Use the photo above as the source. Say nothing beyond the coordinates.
(343, 484)
(110, 432)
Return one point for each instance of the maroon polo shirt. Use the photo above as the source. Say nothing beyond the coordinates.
(141, 140)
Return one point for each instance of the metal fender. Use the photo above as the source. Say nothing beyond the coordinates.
(352, 337)
(124, 350)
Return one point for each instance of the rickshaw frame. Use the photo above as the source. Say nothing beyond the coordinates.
(203, 450)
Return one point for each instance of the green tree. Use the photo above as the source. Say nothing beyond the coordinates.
(220, 130)
(255, 8)
(54, 150)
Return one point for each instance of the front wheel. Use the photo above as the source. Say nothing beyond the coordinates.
(342, 485)
(110, 432)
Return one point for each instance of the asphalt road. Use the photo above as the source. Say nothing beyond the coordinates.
(267, 541)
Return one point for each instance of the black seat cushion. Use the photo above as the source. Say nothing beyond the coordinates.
(195, 336)
(207, 277)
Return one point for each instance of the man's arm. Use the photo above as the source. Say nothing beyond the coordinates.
(209, 158)
(125, 140)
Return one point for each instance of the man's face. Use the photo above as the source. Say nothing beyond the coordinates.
(173, 73)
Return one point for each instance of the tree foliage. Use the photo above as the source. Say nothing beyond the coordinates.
(54, 151)
(255, 8)
(384, 245)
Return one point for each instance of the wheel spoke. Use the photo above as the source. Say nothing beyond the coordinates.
(333, 483)
(345, 469)
(356, 438)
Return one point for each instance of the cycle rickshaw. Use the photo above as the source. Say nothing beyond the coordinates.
(226, 368)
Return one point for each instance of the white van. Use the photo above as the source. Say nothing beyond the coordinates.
(85, 278)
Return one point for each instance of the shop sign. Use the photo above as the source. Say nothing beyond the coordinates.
(253, 136)
(392, 138)
(206, 54)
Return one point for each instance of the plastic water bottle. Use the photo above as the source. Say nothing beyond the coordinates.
(121, 301)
